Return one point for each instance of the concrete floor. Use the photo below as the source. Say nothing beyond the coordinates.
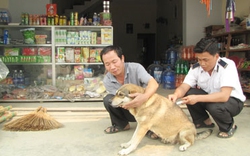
(82, 135)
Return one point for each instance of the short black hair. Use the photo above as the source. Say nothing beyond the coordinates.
(116, 49)
(207, 44)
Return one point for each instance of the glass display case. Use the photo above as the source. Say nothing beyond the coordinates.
(57, 62)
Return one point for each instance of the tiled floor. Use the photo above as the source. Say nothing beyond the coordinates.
(82, 135)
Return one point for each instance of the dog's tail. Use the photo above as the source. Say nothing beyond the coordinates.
(203, 134)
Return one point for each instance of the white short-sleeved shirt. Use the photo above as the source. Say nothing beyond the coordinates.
(225, 74)
(135, 73)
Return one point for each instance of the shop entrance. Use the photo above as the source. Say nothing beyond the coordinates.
(146, 49)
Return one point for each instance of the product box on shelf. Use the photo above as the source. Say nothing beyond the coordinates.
(78, 56)
(44, 51)
(85, 37)
(72, 37)
(61, 36)
(94, 55)
(61, 55)
(10, 59)
(43, 59)
(51, 9)
(79, 72)
(69, 55)
(106, 36)
(93, 37)
(40, 39)
(27, 59)
(29, 51)
(11, 51)
(85, 54)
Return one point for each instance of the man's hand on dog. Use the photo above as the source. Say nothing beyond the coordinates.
(138, 99)
(191, 99)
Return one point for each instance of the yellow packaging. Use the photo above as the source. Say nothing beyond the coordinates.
(92, 56)
(85, 54)
(106, 36)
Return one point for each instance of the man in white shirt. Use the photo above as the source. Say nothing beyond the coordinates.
(212, 86)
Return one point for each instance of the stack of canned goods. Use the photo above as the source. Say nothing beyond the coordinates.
(73, 18)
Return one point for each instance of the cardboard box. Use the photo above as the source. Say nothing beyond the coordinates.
(11, 51)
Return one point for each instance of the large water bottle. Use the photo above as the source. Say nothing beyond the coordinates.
(171, 56)
(168, 78)
(20, 79)
(15, 78)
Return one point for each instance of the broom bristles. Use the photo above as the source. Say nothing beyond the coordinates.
(38, 120)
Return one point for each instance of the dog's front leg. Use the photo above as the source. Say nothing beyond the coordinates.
(130, 146)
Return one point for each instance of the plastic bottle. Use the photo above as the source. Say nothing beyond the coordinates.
(171, 57)
(186, 68)
(98, 19)
(95, 19)
(81, 21)
(6, 37)
(168, 78)
(20, 79)
(177, 73)
(181, 75)
(15, 78)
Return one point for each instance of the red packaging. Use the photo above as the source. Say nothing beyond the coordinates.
(29, 51)
(44, 51)
(51, 9)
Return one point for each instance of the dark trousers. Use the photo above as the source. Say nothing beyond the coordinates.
(222, 112)
(119, 116)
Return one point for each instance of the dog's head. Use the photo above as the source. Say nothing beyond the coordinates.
(122, 94)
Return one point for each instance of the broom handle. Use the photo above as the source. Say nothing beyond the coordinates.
(3, 109)
(7, 116)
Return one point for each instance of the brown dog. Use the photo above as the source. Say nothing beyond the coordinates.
(159, 115)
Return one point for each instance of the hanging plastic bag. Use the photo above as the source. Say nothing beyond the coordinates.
(4, 71)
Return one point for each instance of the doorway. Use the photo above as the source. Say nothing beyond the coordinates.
(146, 49)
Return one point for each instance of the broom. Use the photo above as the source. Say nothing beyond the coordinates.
(7, 115)
(3, 109)
(38, 120)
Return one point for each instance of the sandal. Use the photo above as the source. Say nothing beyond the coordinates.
(151, 135)
(115, 129)
(203, 125)
(228, 134)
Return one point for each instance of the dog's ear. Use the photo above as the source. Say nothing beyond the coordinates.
(121, 94)
(132, 91)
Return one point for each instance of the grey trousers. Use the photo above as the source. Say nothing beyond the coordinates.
(119, 116)
(222, 112)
